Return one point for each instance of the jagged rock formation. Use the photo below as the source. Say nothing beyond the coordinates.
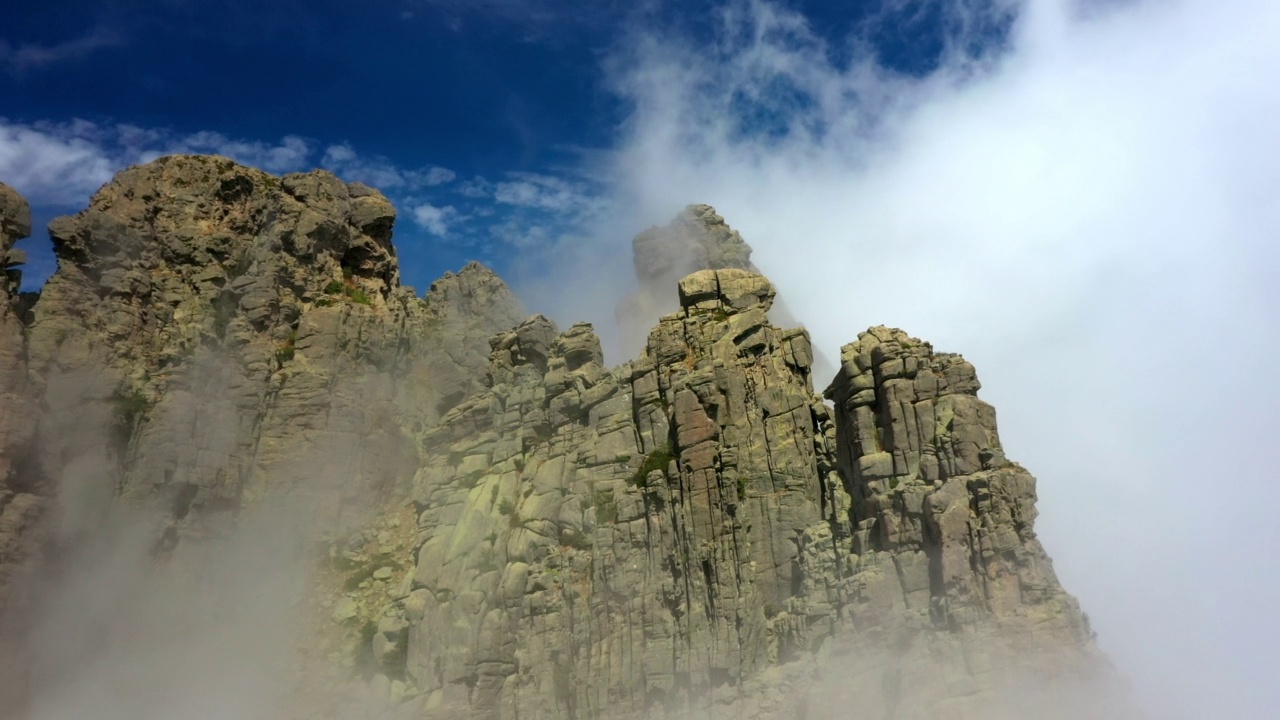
(514, 529)
(608, 542)
(937, 559)
(691, 534)
(235, 330)
(697, 239)
(216, 337)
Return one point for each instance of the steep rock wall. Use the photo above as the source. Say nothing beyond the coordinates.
(610, 542)
(694, 534)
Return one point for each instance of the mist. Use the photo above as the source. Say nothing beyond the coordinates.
(1088, 215)
(159, 606)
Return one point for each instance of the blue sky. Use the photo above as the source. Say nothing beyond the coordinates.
(1078, 195)
(473, 116)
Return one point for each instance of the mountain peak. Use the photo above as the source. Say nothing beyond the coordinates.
(509, 527)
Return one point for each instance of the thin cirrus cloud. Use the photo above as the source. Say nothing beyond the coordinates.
(1089, 215)
(543, 192)
(24, 57)
(380, 172)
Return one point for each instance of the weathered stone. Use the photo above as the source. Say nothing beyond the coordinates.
(216, 337)
(515, 529)
(933, 495)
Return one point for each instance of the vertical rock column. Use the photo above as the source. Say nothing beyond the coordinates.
(616, 541)
(942, 522)
(735, 459)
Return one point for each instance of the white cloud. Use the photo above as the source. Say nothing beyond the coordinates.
(53, 164)
(521, 235)
(544, 192)
(435, 220)
(339, 155)
(437, 176)
(1091, 218)
(475, 188)
(62, 164)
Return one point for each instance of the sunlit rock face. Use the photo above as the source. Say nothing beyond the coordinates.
(235, 330)
(616, 541)
(694, 532)
(217, 338)
(507, 528)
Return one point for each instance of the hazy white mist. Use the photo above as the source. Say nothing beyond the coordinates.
(1091, 217)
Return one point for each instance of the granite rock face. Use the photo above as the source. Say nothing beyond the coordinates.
(697, 239)
(232, 330)
(515, 530)
(694, 534)
(939, 561)
(611, 542)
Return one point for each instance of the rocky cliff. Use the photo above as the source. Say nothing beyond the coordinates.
(513, 529)
(213, 330)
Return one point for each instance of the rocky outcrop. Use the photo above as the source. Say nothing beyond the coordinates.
(21, 494)
(512, 528)
(697, 239)
(217, 339)
(938, 565)
(613, 542)
(235, 333)
(694, 533)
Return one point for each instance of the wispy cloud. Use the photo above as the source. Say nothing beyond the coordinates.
(533, 190)
(475, 188)
(380, 172)
(23, 57)
(521, 235)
